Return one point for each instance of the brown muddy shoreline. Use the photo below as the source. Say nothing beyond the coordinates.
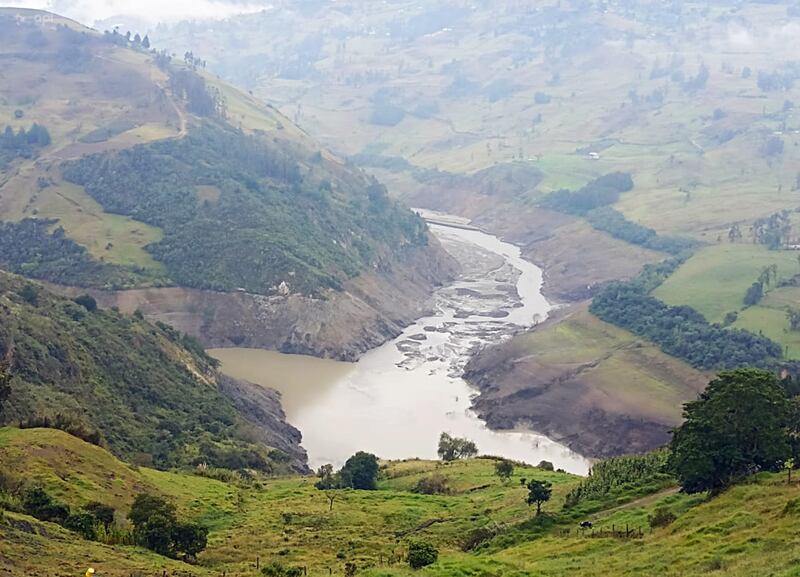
(374, 308)
(516, 391)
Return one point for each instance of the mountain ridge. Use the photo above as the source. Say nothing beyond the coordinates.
(249, 204)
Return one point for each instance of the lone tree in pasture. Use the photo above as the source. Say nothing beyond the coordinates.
(793, 316)
(156, 527)
(360, 472)
(539, 492)
(736, 427)
(454, 448)
(504, 469)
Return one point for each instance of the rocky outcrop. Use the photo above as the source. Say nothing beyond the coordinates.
(373, 308)
(262, 407)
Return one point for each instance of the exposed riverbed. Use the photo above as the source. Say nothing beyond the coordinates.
(398, 398)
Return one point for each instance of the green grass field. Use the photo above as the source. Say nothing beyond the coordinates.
(714, 282)
(740, 533)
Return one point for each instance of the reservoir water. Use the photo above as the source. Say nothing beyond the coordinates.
(397, 399)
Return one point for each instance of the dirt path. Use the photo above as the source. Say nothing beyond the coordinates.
(183, 130)
(648, 500)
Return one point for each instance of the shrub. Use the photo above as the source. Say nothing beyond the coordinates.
(792, 507)
(30, 294)
(88, 302)
(476, 538)
(103, 514)
(37, 503)
(615, 476)
(70, 424)
(730, 318)
(434, 485)
(545, 466)
(189, 539)
(83, 523)
(278, 569)
(661, 517)
(156, 527)
(421, 554)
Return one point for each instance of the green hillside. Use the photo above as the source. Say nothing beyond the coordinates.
(121, 167)
(508, 113)
(685, 96)
(748, 530)
(148, 393)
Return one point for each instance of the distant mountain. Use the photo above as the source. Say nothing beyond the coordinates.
(143, 171)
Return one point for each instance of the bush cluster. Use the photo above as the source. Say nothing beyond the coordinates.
(156, 527)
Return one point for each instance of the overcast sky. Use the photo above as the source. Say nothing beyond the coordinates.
(90, 12)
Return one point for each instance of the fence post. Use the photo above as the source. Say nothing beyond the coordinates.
(258, 562)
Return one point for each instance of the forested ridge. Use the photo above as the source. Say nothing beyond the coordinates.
(681, 331)
(275, 218)
(602, 191)
(148, 392)
(30, 248)
(614, 223)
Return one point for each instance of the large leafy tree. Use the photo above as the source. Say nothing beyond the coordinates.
(189, 539)
(453, 448)
(360, 471)
(156, 527)
(736, 427)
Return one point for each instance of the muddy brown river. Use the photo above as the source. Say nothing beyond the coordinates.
(397, 399)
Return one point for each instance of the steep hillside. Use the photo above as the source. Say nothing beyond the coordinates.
(748, 530)
(148, 393)
(126, 169)
(496, 110)
(695, 100)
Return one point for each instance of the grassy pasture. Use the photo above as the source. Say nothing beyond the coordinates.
(739, 533)
(714, 281)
